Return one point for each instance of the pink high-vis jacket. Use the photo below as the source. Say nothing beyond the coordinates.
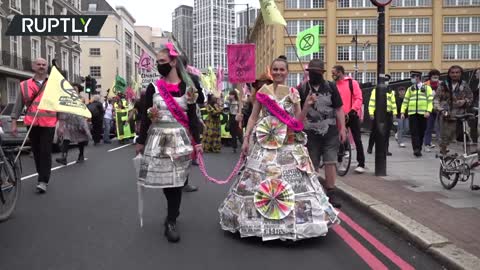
(357, 100)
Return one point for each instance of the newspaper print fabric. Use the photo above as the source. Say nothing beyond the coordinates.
(311, 214)
(167, 154)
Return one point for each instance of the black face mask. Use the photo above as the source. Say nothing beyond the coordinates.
(164, 69)
(315, 78)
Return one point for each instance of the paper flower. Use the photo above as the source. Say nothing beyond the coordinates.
(274, 199)
(271, 132)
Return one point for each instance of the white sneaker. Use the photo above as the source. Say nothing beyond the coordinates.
(359, 170)
(428, 149)
(42, 187)
(396, 136)
(402, 145)
(341, 168)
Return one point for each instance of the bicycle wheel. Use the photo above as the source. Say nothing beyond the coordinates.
(344, 158)
(448, 178)
(10, 188)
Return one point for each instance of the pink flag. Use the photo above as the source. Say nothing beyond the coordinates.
(219, 78)
(193, 70)
(145, 62)
(241, 63)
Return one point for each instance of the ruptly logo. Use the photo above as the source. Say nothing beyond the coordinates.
(56, 25)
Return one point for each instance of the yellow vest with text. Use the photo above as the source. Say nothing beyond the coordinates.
(418, 101)
(391, 103)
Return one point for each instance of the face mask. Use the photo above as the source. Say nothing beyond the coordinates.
(414, 81)
(315, 78)
(434, 84)
(386, 83)
(164, 69)
(335, 77)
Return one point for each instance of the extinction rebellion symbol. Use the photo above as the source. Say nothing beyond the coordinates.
(307, 42)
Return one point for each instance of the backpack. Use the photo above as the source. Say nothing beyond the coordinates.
(350, 85)
(304, 91)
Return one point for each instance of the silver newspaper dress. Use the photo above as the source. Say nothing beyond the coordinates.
(167, 154)
(304, 212)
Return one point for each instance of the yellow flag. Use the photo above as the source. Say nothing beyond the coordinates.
(60, 96)
(270, 13)
(111, 92)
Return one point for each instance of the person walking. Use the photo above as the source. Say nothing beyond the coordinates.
(96, 108)
(419, 102)
(211, 141)
(234, 109)
(42, 126)
(107, 120)
(352, 99)
(434, 82)
(391, 109)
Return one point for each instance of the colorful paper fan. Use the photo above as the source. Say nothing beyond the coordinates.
(271, 132)
(274, 199)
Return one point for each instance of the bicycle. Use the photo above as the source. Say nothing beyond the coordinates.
(458, 167)
(10, 181)
(344, 156)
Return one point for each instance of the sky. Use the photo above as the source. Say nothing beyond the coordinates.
(159, 13)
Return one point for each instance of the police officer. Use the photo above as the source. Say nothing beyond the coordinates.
(419, 102)
(391, 109)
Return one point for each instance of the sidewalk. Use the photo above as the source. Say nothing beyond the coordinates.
(411, 199)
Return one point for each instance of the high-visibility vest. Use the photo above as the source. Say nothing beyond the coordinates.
(44, 118)
(418, 101)
(391, 103)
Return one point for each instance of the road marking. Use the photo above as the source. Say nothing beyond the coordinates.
(361, 251)
(377, 244)
(118, 148)
(53, 169)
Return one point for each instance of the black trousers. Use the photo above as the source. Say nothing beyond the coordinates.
(97, 129)
(234, 130)
(174, 199)
(81, 147)
(418, 125)
(388, 126)
(355, 129)
(41, 139)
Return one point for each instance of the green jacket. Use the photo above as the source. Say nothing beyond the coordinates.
(418, 101)
(391, 103)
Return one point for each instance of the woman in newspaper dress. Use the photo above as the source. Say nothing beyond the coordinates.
(277, 194)
(169, 129)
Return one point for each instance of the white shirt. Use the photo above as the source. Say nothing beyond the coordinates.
(108, 111)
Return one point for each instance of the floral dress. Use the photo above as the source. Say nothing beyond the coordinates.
(211, 140)
(277, 194)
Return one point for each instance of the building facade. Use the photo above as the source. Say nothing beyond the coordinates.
(116, 50)
(244, 22)
(214, 28)
(18, 52)
(182, 29)
(420, 35)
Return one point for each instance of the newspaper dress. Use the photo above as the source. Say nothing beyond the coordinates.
(277, 194)
(167, 154)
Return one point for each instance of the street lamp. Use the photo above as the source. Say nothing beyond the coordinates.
(355, 41)
(366, 45)
(248, 17)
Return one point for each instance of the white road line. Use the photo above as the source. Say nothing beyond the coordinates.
(53, 169)
(118, 148)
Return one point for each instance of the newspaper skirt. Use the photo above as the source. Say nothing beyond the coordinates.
(167, 157)
(277, 194)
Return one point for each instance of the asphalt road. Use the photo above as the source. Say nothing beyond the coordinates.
(88, 220)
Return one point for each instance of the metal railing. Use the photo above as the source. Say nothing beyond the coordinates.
(14, 61)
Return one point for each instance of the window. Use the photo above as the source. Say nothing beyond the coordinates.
(397, 76)
(318, 4)
(137, 49)
(409, 25)
(13, 88)
(16, 5)
(362, 26)
(50, 49)
(295, 26)
(294, 79)
(454, 3)
(365, 77)
(95, 52)
(412, 3)
(116, 32)
(76, 66)
(34, 7)
(65, 66)
(354, 4)
(461, 51)
(35, 47)
(410, 52)
(95, 71)
(292, 56)
(15, 46)
(461, 24)
(128, 41)
(347, 53)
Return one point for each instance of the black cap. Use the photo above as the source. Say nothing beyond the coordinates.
(415, 73)
(387, 77)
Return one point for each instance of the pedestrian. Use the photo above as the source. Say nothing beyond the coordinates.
(454, 97)
(107, 120)
(234, 109)
(434, 82)
(211, 141)
(277, 163)
(352, 99)
(419, 102)
(321, 124)
(42, 127)
(72, 129)
(390, 110)
(402, 123)
(169, 129)
(96, 109)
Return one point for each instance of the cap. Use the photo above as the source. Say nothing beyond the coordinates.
(388, 77)
(415, 73)
(316, 64)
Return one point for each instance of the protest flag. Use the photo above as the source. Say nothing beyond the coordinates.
(271, 14)
(308, 41)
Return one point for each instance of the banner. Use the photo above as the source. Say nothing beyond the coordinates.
(149, 77)
(241, 63)
(120, 84)
(308, 41)
(60, 96)
(145, 62)
(125, 128)
(271, 14)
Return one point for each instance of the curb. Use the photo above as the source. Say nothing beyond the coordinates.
(431, 242)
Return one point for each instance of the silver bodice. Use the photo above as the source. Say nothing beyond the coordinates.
(165, 115)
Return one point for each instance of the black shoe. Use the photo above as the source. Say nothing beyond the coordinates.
(171, 232)
(389, 154)
(62, 160)
(417, 153)
(369, 151)
(332, 198)
(190, 188)
(80, 159)
(194, 163)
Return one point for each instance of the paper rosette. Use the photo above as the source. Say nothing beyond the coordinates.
(271, 132)
(274, 199)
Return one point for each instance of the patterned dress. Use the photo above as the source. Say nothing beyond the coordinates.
(73, 128)
(211, 140)
(277, 194)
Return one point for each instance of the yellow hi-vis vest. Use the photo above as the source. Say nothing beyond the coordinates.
(391, 103)
(418, 101)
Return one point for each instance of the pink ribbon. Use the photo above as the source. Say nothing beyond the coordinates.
(203, 170)
(279, 112)
(172, 105)
(171, 49)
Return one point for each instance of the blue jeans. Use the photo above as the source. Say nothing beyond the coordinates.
(107, 124)
(402, 129)
(432, 125)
